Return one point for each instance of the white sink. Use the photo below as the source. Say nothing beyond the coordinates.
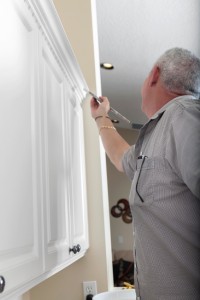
(126, 294)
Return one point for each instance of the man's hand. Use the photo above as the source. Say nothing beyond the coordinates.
(99, 109)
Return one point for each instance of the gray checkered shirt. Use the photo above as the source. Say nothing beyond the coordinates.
(164, 166)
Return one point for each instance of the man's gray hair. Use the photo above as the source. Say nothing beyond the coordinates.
(180, 71)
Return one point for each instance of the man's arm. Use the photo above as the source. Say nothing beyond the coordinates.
(114, 145)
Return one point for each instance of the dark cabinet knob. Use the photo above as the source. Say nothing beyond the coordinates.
(2, 284)
(75, 249)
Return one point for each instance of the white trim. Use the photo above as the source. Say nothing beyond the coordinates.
(102, 155)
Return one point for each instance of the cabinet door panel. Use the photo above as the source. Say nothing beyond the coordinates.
(57, 233)
(78, 206)
(20, 172)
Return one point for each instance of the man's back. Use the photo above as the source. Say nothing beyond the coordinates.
(165, 203)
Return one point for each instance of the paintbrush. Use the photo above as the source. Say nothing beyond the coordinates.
(133, 125)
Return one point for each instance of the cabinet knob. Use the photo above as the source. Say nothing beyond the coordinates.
(75, 249)
(2, 284)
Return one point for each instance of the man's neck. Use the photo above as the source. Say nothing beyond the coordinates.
(161, 98)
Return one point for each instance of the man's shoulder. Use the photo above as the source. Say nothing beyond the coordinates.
(182, 104)
(185, 102)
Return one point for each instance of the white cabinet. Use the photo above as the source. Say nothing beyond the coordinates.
(43, 208)
(20, 151)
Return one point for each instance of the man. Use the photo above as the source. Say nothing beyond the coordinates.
(164, 166)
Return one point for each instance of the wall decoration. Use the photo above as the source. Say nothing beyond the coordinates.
(122, 209)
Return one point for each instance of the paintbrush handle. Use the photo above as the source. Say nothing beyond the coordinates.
(119, 115)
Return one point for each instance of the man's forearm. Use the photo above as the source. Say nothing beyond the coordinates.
(114, 144)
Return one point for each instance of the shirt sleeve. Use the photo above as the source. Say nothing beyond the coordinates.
(184, 147)
(128, 162)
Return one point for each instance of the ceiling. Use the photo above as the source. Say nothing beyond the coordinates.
(132, 35)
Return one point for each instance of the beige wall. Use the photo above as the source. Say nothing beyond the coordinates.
(119, 187)
(67, 284)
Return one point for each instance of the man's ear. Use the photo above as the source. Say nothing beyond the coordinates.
(155, 74)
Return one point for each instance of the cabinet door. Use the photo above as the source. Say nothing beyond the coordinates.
(78, 207)
(20, 168)
(55, 162)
